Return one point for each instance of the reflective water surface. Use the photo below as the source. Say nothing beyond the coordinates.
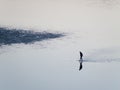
(91, 26)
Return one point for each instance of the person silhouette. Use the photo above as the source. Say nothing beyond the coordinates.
(81, 60)
(81, 55)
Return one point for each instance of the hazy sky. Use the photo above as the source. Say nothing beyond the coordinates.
(58, 13)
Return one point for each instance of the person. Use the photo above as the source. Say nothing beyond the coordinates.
(81, 55)
(81, 60)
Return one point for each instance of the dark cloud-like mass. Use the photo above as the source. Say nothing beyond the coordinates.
(12, 36)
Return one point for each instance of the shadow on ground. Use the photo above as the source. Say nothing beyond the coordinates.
(12, 36)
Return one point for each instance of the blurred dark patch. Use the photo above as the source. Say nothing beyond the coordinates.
(12, 36)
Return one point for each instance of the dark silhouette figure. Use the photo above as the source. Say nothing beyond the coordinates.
(81, 61)
(81, 55)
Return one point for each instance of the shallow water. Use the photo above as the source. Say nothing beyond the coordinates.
(91, 27)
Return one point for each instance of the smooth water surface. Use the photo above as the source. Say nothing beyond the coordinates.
(91, 26)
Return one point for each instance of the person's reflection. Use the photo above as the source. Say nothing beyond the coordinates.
(81, 61)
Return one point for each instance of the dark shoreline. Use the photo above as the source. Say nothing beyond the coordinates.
(15, 36)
